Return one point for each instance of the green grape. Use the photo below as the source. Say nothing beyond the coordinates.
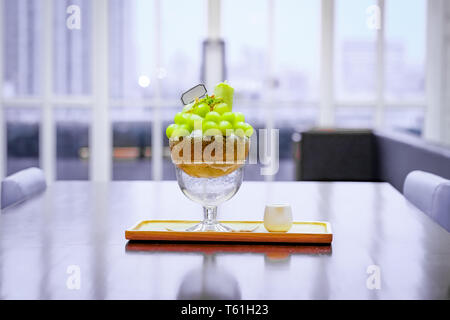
(202, 109)
(221, 108)
(242, 128)
(182, 131)
(178, 119)
(211, 128)
(170, 129)
(212, 116)
(228, 116)
(238, 117)
(225, 127)
(239, 132)
(249, 130)
(188, 107)
(225, 91)
(181, 118)
(185, 127)
(194, 120)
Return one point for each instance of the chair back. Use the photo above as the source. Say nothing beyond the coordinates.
(22, 186)
(431, 194)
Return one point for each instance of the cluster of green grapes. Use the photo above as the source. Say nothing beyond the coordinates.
(210, 115)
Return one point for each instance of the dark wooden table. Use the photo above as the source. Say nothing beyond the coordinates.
(75, 231)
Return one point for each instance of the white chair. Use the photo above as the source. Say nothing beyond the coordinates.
(431, 194)
(21, 186)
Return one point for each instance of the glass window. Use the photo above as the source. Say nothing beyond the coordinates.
(355, 117)
(405, 49)
(22, 47)
(244, 28)
(297, 49)
(72, 142)
(406, 119)
(72, 50)
(183, 29)
(22, 134)
(134, 71)
(405, 63)
(131, 143)
(355, 51)
(131, 42)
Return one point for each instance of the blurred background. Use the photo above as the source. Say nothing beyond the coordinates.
(88, 87)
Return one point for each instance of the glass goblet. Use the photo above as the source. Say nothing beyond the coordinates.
(210, 192)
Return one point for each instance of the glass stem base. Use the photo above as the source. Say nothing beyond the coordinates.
(210, 222)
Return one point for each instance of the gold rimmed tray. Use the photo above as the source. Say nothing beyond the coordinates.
(244, 231)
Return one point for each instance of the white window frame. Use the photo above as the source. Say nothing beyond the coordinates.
(101, 134)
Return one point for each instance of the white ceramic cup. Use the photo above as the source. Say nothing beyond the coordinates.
(278, 217)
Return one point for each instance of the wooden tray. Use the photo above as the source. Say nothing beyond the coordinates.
(245, 231)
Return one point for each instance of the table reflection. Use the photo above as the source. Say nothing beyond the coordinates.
(211, 281)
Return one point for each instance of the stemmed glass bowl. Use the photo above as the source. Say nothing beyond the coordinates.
(212, 190)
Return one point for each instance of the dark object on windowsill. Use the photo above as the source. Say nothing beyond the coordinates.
(337, 155)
